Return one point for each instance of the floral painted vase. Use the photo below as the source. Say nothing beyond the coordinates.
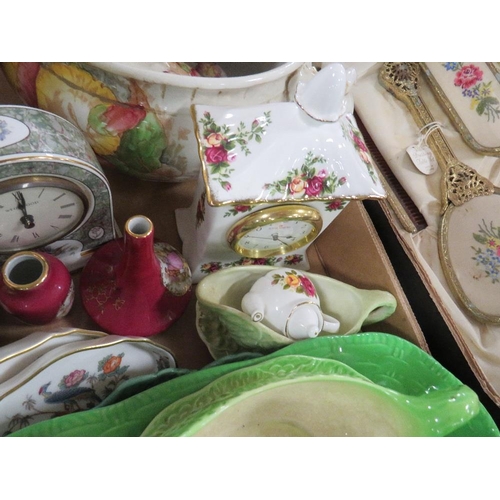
(36, 287)
(135, 286)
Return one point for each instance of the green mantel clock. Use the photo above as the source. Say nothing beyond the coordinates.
(54, 196)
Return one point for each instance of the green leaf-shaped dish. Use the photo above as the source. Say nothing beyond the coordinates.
(226, 329)
(306, 396)
(384, 359)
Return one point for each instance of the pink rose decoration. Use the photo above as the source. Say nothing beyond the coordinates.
(293, 259)
(468, 76)
(217, 154)
(335, 205)
(74, 378)
(259, 262)
(175, 261)
(308, 286)
(359, 142)
(211, 267)
(365, 156)
(314, 186)
(242, 208)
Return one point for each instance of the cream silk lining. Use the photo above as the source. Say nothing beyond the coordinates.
(393, 130)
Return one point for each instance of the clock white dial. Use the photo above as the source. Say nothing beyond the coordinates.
(33, 214)
(275, 230)
(276, 235)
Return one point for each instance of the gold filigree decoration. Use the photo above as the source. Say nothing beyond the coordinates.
(401, 77)
(459, 182)
(464, 183)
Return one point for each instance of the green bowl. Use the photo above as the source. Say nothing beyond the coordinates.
(226, 329)
(306, 396)
(384, 359)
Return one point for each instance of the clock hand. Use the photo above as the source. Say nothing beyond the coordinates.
(277, 237)
(260, 237)
(27, 220)
(274, 237)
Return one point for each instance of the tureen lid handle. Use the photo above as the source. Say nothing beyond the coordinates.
(325, 97)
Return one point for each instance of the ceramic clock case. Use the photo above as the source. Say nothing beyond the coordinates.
(53, 192)
(274, 176)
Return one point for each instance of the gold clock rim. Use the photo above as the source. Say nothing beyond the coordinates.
(10, 184)
(274, 214)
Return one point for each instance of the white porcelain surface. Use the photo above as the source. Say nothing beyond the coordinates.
(259, 156)
(76, 377)
(327, 97)
(17, 355)
(286, 301)
(252, 153)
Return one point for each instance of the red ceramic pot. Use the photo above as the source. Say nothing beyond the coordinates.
(135, 286)
(36, 287)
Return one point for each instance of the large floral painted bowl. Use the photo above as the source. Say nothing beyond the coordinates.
(137, 117)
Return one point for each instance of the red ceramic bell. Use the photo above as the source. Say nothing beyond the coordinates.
(36, 287)
(135, 286)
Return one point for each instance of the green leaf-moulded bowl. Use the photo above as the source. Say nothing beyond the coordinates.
(390, 362)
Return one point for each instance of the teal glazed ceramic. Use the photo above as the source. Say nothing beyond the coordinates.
(386, 360)
(226, 329)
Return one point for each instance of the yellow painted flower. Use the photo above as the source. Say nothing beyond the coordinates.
(292, 280)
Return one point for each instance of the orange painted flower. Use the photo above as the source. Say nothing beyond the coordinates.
(112, 364)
